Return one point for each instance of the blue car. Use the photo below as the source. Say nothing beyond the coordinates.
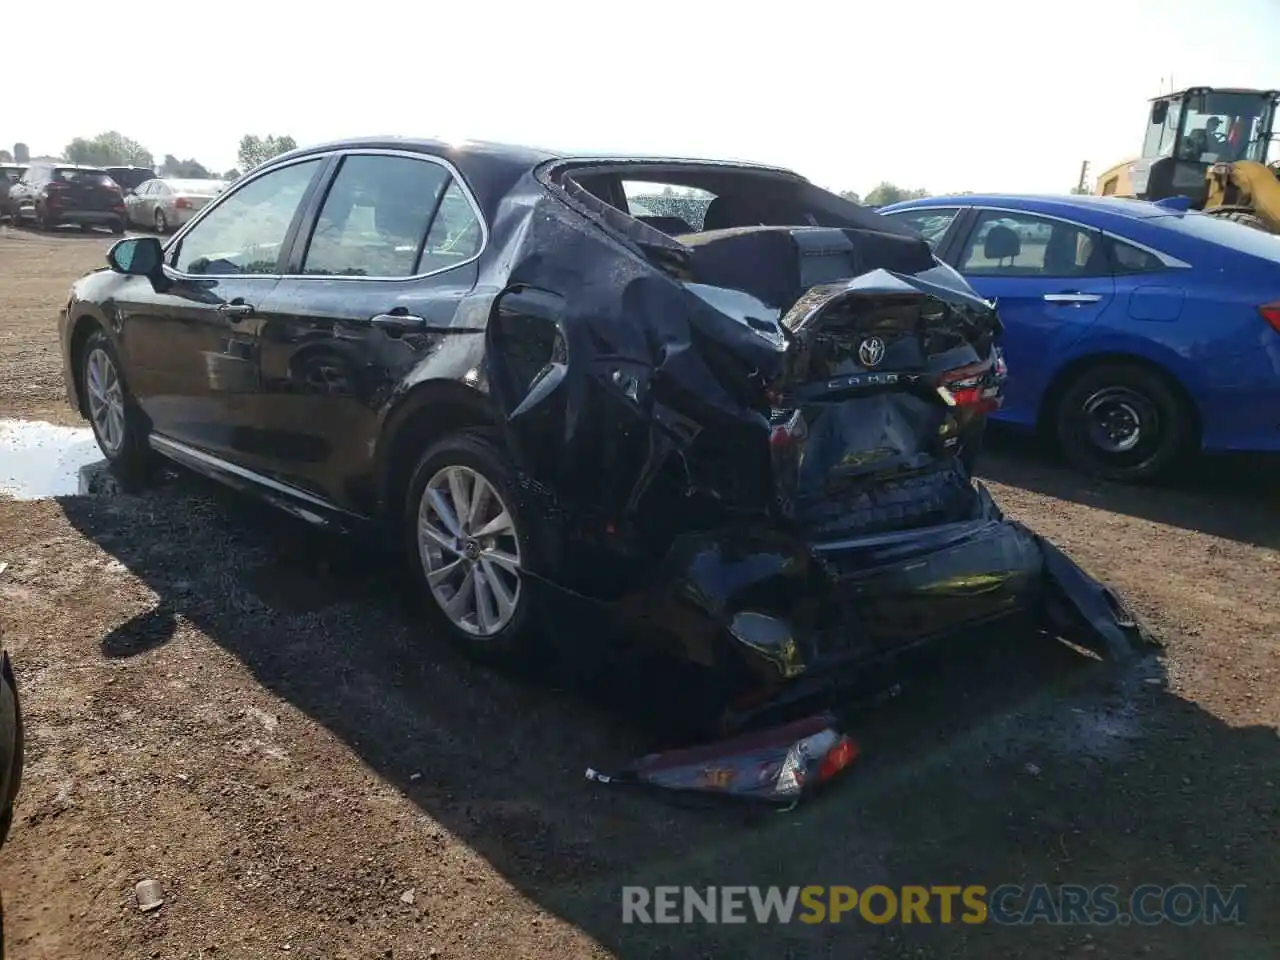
(1135, 333)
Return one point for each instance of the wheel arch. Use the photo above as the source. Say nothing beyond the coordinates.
(1073, 368)
(430, 411)
(85, 325)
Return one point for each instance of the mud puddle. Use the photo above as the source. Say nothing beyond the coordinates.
(39, 460)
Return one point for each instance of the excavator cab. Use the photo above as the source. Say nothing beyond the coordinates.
(1195, 130)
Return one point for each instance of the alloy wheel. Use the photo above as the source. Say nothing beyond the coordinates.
(470, 551)
(1119, 419)
(161, 224)
(106, 400)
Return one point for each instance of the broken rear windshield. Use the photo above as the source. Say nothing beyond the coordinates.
(671, 195)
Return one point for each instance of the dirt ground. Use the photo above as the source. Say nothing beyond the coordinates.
(251, 715)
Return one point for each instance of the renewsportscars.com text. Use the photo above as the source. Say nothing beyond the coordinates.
(1007, 904)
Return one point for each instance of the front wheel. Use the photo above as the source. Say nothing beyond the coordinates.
(117, 422)
(470, 546)
(1122, 421)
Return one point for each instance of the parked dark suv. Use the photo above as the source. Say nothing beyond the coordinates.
(735, 430)
(51, 194)
(130, 178)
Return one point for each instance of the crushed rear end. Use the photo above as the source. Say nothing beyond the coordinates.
(757, 447)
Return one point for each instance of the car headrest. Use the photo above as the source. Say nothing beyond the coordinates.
(1001, 242)
(719, 216)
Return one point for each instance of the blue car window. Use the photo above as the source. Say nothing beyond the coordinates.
(931, 223)
(1005, 244)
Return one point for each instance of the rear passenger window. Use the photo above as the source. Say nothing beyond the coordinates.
(1025, 245)
(455, 234)
(375, 218)
(1129, 259)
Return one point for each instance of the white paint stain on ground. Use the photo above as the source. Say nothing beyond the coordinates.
(40, 460)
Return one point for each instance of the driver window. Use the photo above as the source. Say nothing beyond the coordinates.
(374, 220)
(244, 233)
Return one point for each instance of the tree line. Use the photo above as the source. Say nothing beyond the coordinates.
(113, 149)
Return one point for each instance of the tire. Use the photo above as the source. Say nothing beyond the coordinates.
(15, 781)
(162, 225)
(43, 221)
(117, 227)
(1097, 414)
(126, 451)
(509, 638)
(86, 228)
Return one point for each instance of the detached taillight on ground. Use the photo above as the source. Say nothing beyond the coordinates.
(779, 765)
(1271, 313)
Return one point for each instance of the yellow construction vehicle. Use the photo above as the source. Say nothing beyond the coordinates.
(1208, 144)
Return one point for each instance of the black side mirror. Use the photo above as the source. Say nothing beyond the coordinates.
(136, 256)
(1160, 111)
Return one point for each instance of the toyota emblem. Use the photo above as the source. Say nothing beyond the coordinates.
(871, 352)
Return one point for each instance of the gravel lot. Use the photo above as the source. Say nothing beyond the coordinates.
(226, 703)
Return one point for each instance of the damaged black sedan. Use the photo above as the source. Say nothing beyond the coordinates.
(724, 415)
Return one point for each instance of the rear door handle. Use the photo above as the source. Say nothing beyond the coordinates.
(1072, 297)
(399, 323)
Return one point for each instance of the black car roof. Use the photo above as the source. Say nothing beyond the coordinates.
(514, 154)
(491, 169)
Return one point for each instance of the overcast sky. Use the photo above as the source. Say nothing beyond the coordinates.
(942, 94)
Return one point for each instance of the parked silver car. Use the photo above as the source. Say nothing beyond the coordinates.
(166, 203)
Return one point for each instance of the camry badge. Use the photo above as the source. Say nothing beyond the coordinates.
(871, 352)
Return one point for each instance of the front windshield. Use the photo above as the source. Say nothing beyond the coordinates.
(1226, 126)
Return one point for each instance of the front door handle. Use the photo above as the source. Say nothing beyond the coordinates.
(1072, 297)
(235, 309)
(398, 323)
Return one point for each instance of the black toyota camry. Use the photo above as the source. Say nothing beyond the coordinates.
(715, 410)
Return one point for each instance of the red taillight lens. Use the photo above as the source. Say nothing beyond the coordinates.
(1271, 313)
(182, 203)
(967, 385)
(838, 757)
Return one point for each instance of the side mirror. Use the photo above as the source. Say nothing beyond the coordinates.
(136, 256)
(1160, 111)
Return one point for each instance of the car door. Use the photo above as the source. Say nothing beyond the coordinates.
(1052, 280)
(390, 254)
(23, 193)
(188, 342)
(135, 203)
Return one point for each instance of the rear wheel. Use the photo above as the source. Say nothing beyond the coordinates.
(1122, 421)
(118, 424)
(45, 221)
(117, 227)
(470, 545)
(162, 225)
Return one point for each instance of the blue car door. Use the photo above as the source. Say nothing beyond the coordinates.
(1052, 279)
